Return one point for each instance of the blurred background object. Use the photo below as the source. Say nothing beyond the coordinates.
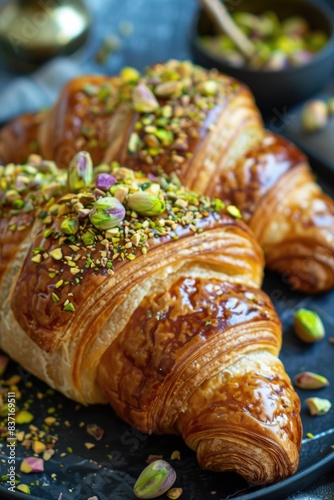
(33, 32)
(294, 42)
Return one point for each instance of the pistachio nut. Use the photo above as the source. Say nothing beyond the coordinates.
(24, 488)
(174, 493)
(308, 325)
(295, 26)
(107, 212)
(234, 212)
(310, 380)
(80, 172)
(146, 203)
(104, 181)
(157, 478)
(314, 115)
(209, 87)
(70, 225)
(31, 465)
(143, 100)
(129, 75)
(318, 406)
(168, 89)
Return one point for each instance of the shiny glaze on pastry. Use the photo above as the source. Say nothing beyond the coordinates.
(204, 127)
(159, 315)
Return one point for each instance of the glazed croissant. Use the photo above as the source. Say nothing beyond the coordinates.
(140, 293)
(205, 127)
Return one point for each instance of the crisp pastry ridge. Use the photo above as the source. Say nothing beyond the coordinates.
(152, 303)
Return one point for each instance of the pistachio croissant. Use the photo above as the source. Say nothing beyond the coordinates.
(138, 292)
(205, 127)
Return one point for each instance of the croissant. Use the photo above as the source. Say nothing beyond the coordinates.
(137, 292)
(204, 127)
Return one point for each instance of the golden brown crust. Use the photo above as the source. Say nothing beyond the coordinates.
(153, 306)
(19, 138)
(200, 359)
(204, 127)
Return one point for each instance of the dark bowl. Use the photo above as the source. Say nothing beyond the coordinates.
(275, 89)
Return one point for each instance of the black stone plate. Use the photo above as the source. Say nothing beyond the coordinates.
(110, 469)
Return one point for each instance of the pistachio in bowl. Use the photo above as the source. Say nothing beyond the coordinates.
(294, 56)
(279, 43)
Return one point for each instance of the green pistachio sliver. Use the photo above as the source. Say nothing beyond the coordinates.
(318, 406)
(24, 417)
(166, 136)
(70, 225)
(218, 204)
(69, 307)
(55, 297)
(135, 143)
(234, 212)
(56, 254)
(308, 325)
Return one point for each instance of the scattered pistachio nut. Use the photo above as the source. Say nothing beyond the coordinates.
(24, 488)
(38, 447)
(314, 115)
(174, 493)
(310, 380)
(318, 406)
(308, 325)
(155, 480)
(24, 417)
(95, 431)
(31, 465)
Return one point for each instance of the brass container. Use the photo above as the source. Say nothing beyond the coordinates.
(32, 32)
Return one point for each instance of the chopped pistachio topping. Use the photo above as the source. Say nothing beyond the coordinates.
(116, 218)
(25, 188)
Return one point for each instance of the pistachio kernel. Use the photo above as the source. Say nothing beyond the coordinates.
(310, 380)
(146, 203)
(143, 100)
(80, 173)
(107, 212)
(157, 478)
(314, 116)
(308, 326)
(168, 89)
(318, 406)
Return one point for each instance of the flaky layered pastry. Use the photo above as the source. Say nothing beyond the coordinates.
(205, 127)
(143, 294)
